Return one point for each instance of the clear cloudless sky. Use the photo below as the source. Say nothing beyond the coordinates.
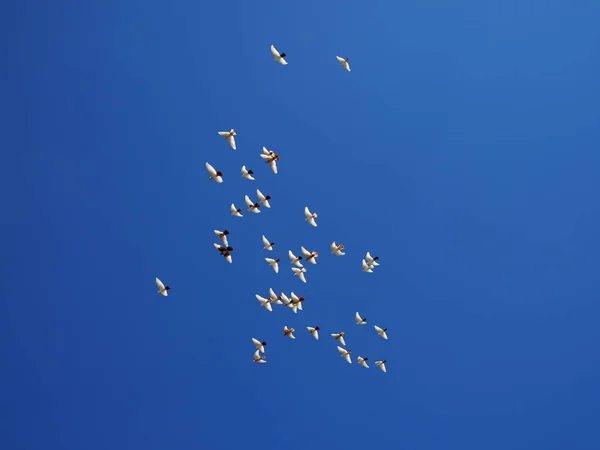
(463, 149)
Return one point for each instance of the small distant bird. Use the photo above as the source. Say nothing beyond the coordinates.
(223, 236)
(289, 332)
(314, 331)
(216, 175)
(295, 302)
(268, 245)
(345, 353)
(229, 137)
(295, 260)
(381, 365)
(337, 249)
(360, 320)
(270, 158)
(344, 62)
(162, 289)
(263, 199)
(362, 361)
(300, 273)
(309, 256)
(274, 263)
(274, 297)
(366, 268)
(372, 261)
(224, 251)
(310, 217)
(264, 302)
(237, 212)
(339, 337)
(381, 332)
(278, 56)
(258, 358)
(247, 173)
(252, 207)
(259, 345)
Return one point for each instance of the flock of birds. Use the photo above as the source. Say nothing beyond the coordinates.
(293, 302)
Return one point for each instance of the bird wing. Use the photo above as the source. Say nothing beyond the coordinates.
(211, 169)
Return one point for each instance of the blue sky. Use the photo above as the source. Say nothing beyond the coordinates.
(462, 149)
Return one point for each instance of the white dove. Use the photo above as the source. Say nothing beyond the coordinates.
(259, 345)
(381, 365)
(278, 56)
(360, 320)
(162, 289)
(295, 260)
(310, 217)
(309, 256)
(268, 245)
(237, 212)
(270, 158)
(362, 361)
(289, 332)
(223, 236)
(225, 252)
(252, 207)
(263, 199)
(274, 263)
(366, 268)
(344, 62)
(274, 297)
(229, 137)
(216, 175)
(381, 331)
(247, 173)
(299, 272)
(337, 249)
(339, 337)
(345, 353)
(264, 302)
(314, 331)
(258, 358)
(372, 261)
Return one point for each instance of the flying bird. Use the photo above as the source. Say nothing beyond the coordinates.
(274, 263)
(258, 358)
(216, 175)
(259, 345)
(360, 320)
(223, 236)
(314, 331)
(289, 332)
(337, 249)
(264, 302)
(224, 251)
(381, 365)
(366, 268)
(270, 158)
(309, 256)
(247, 173)
(300, 273)
(263, 199)
(362, 361)
(344, 62)
(268, 245)
(295, 260)
(229, 137)
(372, 261)
(310, 217)
(381, 332)
(252, 207)
(278, 56)
(345, 353)
(237, 212)
(339, 337)
(162, 289)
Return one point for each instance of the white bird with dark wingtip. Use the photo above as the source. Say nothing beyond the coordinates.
(314, 331)
(360, 320)
(264, 302)
(366, 268)
(268, 244)
(278, 56)
(309, 256)
(216, 175)
(289, 332)
(381, 331)
(229, 137)
(237, 212)
(223, 236)
(337, 249)
(252, 207)
(295, 302)
(362, 361)
(310, 217)
(274, 263)
(270, 158)
(299, 272)
(381, 365)
(162, 289)
(295, 260)
(260, 346)
(274, 297)
(339, 337)
(344, 62)
(258, 358)
(247, 173)
(225, 252)
(372, 261)
(263, 199)
(346, 354)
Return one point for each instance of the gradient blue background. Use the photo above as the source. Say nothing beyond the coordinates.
(462, 149)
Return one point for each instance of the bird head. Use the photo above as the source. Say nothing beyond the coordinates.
(219, 173)
(225, 232)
